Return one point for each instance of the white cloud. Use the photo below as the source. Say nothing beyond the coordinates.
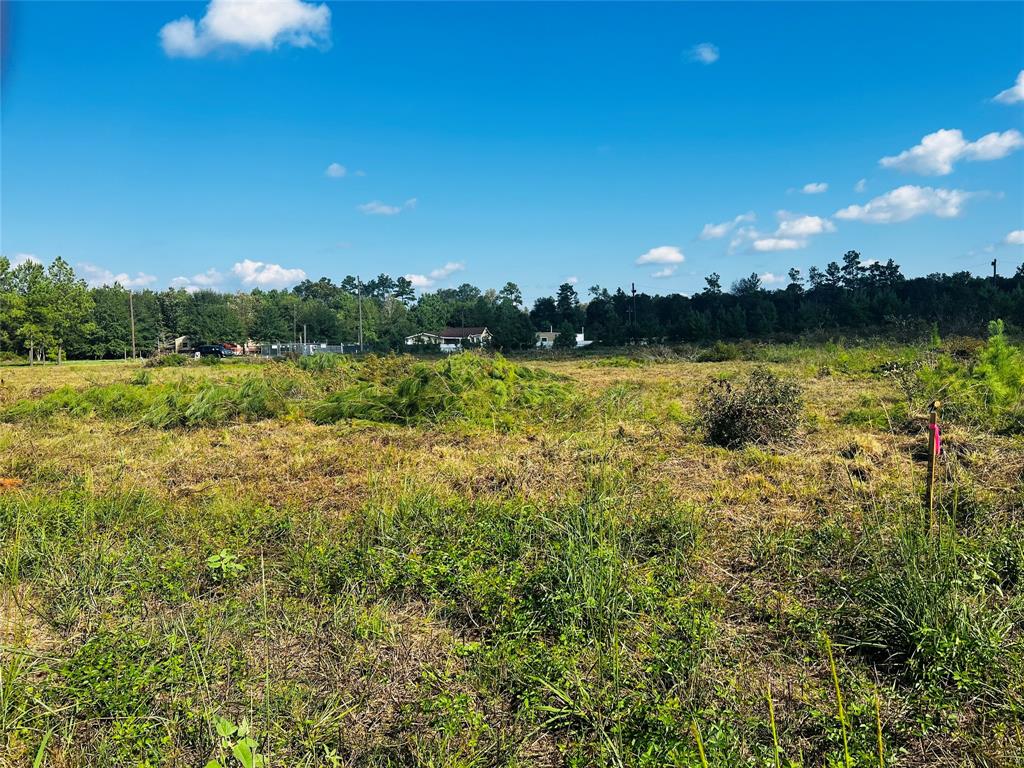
(1015, 238)
(665, 272)
(907, 202)
(249, 25)
(663, 254)
(794, 225)
(1014, 93)
(770, 244)
(97, 276)
(705, 53)
(572, 280)
(770, 278)
(335, 171)
(426, 281)
(938, 152)
(377, 208)
(263, 275)
(743, 235)
(207, 280)
(419, 281)
(22, 258)
(860, 186)
(713, 231)
(814, 188)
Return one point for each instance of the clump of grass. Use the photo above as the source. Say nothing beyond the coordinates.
(763, 411)
(617, 361)
(933, 608)
(178, 404)
(488, 391)
(987, 390)
(319, 363)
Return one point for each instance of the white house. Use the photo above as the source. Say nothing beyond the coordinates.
(452, 339)
(546, 340)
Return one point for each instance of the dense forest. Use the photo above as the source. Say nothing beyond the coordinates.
(49, 312)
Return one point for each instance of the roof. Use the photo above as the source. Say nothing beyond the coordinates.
(546, 334)
(461, 333)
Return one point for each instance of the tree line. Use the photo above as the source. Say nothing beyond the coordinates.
(47, 312)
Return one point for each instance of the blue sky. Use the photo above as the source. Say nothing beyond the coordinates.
(609, 143)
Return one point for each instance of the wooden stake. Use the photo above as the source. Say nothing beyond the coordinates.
(933, 459)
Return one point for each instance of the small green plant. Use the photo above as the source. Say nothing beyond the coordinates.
(224, 565)
(764, 411)
(985, 391)
(141, 378)
(237, 741)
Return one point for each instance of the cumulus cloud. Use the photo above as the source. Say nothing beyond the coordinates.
(97, 276)
(663, 254)
(248, 25)
(207, 280)
(908, 202)
(770, 278)
(377, 208)
(665, 271)
(860, 186)
(794, 225)
(264, 275)
(771, 244)
(426, 281)
(705, 53)
(938, 152)
(335, 171)
(814, 188)
(1014, 93)
(713, 231)
(1016, 237)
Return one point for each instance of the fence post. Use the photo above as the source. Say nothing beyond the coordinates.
(934, 446)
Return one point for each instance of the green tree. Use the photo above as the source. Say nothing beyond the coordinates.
(566, 338)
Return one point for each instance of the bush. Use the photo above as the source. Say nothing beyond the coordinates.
(987, 391)
(765, 411)
(719, 352)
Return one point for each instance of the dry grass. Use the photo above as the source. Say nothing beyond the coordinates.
(385, 676)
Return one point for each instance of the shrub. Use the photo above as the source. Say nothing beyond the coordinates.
(719, 352)
(987, 391)
(764, 411)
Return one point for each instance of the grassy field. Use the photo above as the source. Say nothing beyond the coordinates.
(491, 563)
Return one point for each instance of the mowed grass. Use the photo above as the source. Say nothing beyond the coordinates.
(547, 565)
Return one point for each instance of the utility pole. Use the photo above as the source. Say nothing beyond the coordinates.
(303, 334)
(359, 293)
(131, 314)
(633, 289)
(994, 273)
